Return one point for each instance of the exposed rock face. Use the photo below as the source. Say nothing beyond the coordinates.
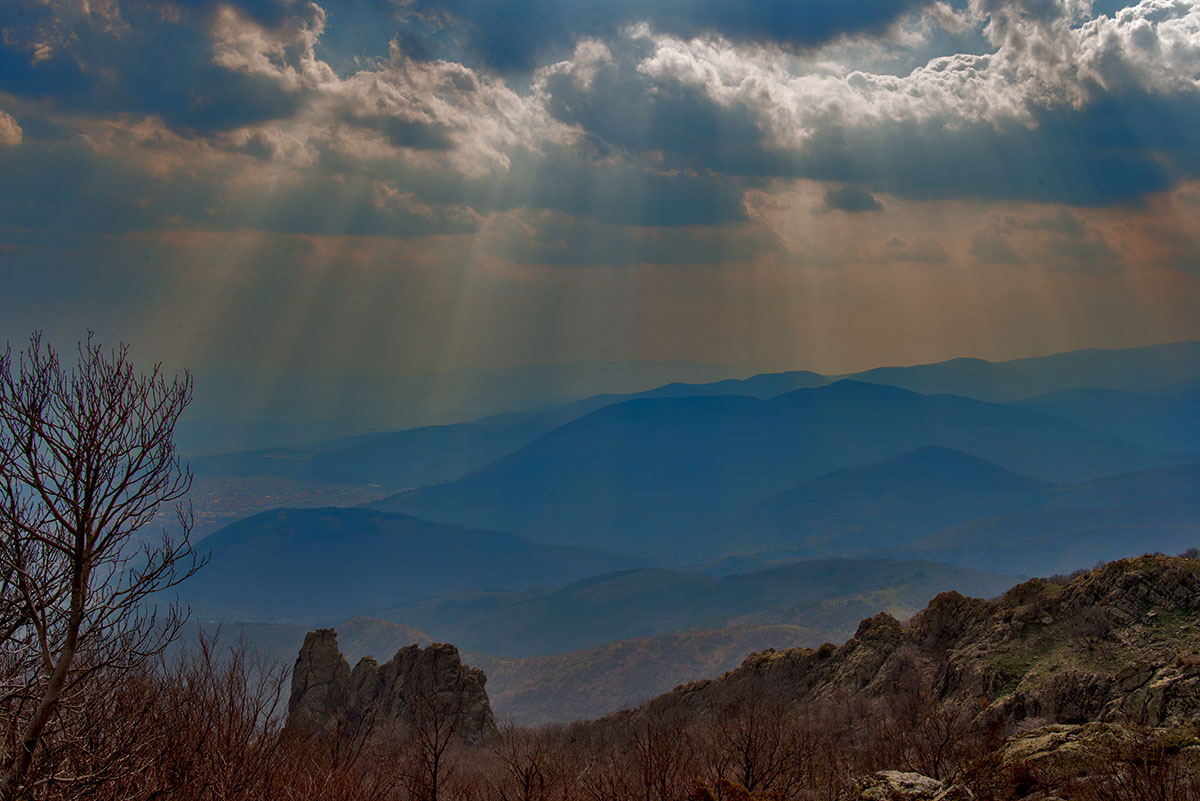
(413, 686)
(319, 680)
(894, 785)
(1114, 644)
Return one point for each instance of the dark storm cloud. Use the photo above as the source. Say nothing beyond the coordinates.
(616, 193)
(636, 128)
(143, 60)
(405, 133)
(518, 36)
(852, 199)
(621, 108)
(65, 186)
(1060, 162)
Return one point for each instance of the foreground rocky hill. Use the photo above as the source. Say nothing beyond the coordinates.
(1113, 643)
(1074, 687)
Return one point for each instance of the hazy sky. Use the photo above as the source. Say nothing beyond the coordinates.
(383, 187)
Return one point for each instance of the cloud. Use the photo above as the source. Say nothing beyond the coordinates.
(552, 238)
(10, 131)
(925, 251)
(1093, 113)
(258, 114)
(141, 58)
(521, 36)
(852, 199)
(1059, 241)
(989, 246)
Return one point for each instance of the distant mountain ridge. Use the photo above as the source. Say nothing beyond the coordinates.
(643, 476)
(1148, 368)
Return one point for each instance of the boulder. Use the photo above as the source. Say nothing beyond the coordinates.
(894, 785)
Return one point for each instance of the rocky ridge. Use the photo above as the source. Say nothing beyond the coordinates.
(414, 686)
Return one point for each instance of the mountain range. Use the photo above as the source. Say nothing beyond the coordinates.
(424, 455)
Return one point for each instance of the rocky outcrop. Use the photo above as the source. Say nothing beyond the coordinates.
(1092, 760)
(415, 687)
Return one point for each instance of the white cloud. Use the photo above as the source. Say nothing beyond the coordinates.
(590, 56)
(1044, 59)
(286, 53)
(449, 114)
(10, 132)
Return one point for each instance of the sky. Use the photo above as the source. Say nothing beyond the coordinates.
(363, 192)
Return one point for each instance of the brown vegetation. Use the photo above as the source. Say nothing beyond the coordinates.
(210, 726)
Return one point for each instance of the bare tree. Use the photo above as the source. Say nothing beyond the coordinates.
(529, 761)
(87, 458)
(432, 734)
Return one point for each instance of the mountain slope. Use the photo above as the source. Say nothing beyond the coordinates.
(642, 476)
(1062, 540)
(582, 685)
(430, 454)
(321, 564)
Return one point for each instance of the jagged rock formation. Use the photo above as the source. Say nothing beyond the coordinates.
(1114, 644)
(320, 680)
(413, 686)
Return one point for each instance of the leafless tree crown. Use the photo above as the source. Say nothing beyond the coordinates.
(87, 460)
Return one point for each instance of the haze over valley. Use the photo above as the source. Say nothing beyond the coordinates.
(776, 510)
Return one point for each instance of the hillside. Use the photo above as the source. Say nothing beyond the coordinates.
(586, 684)
(1167, 420)
(830, 596)
(642, 476)
(886, 504)
(946, 506)
(292, 565)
